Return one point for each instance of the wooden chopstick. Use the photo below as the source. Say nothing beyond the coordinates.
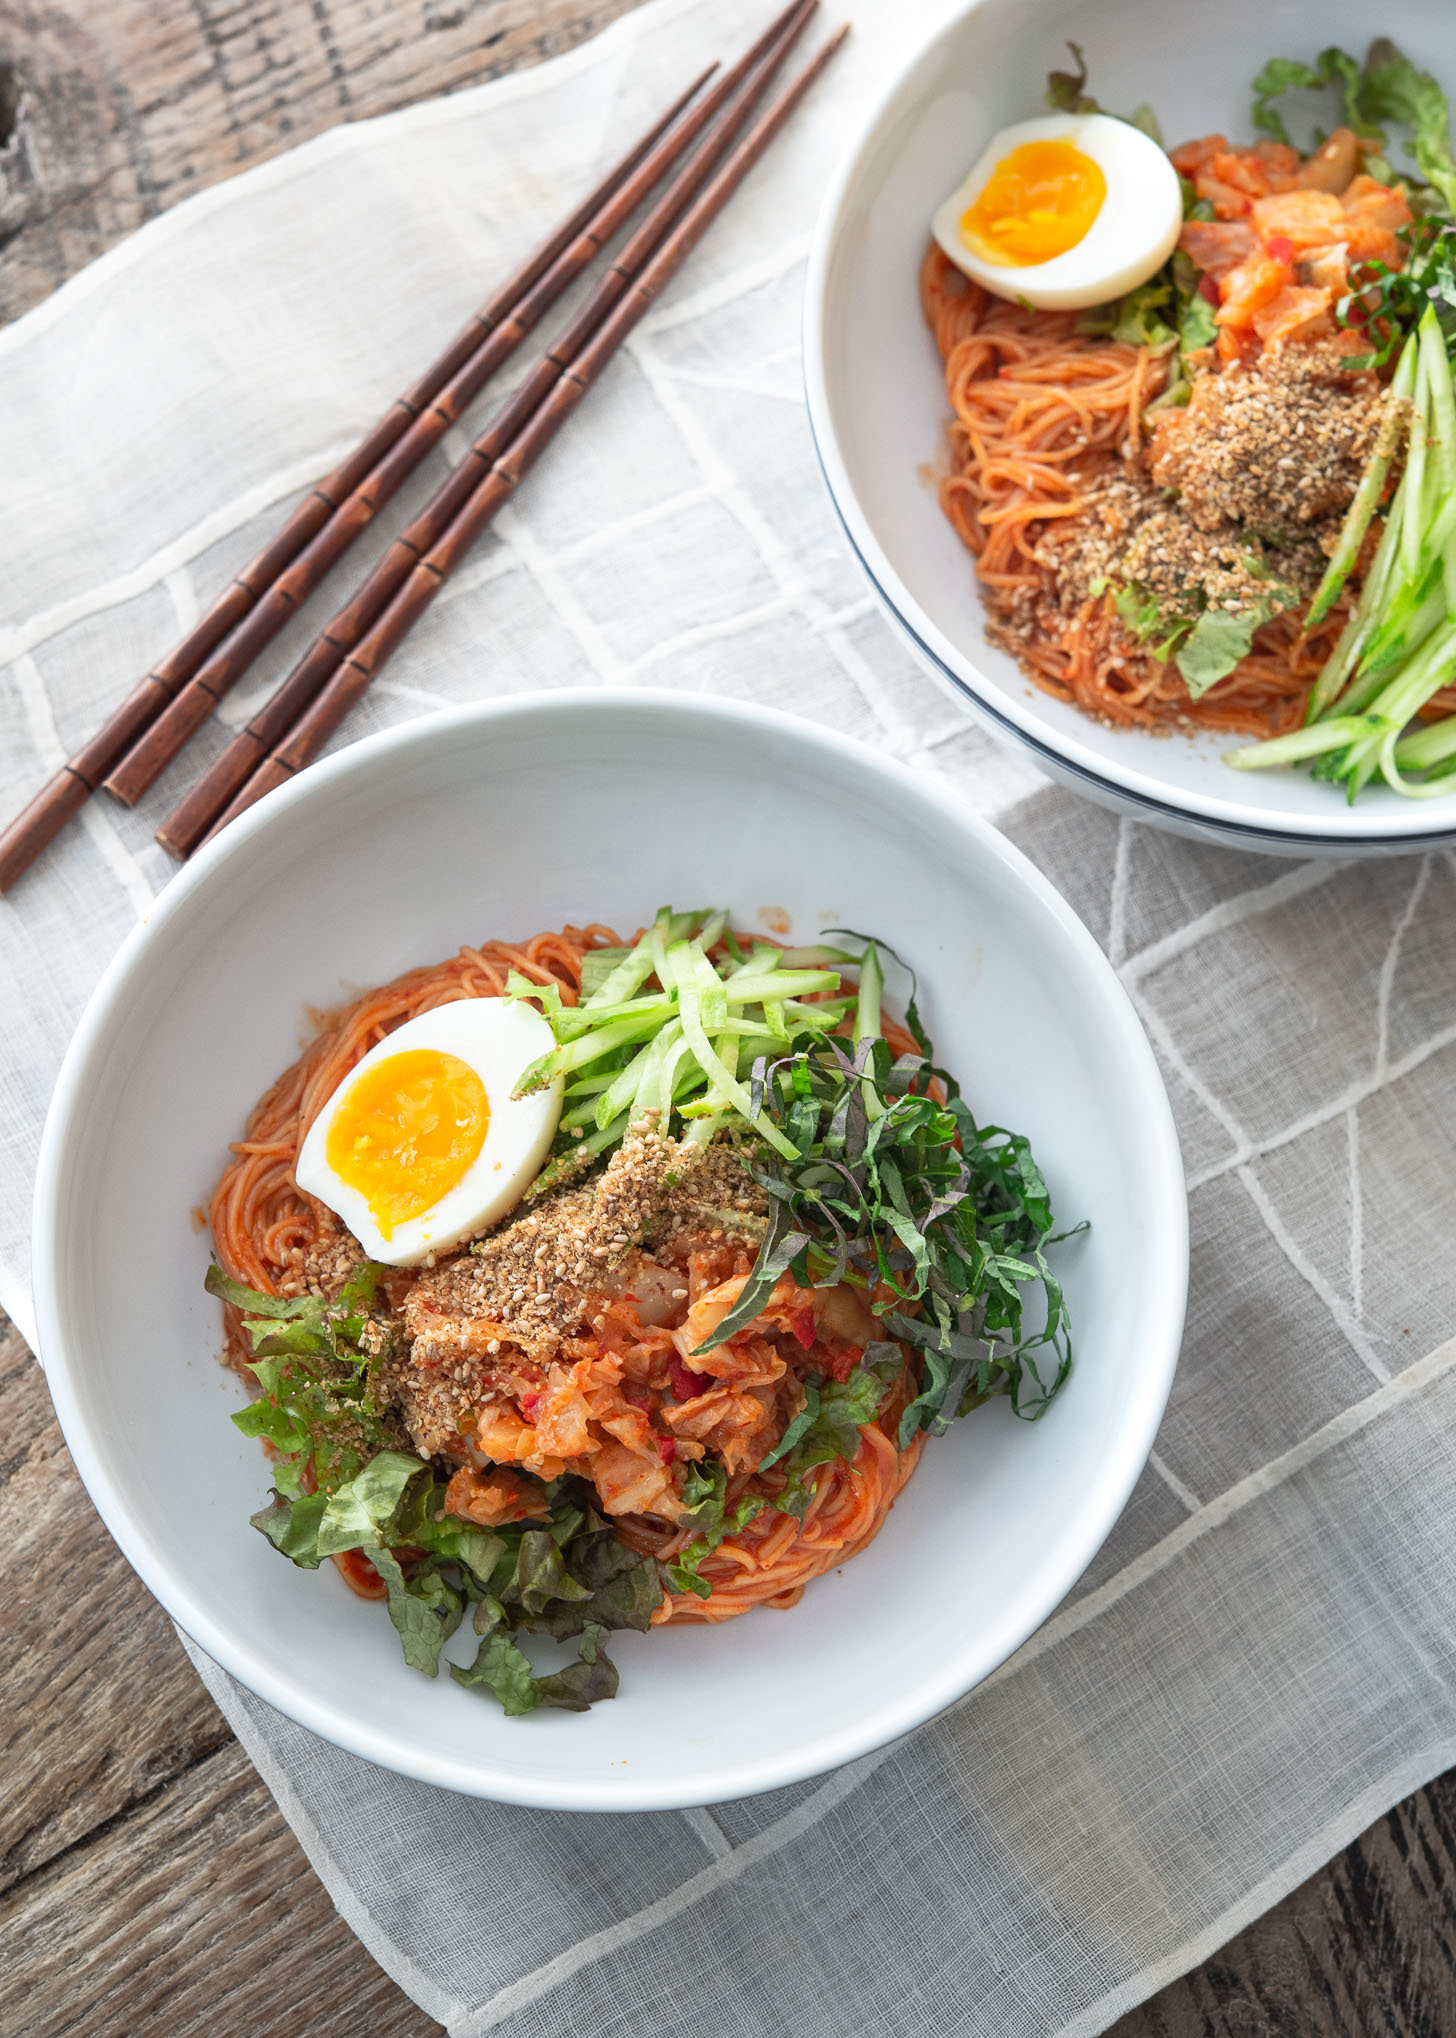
(318, 723)
(193, 818)
(197, 699)
(69, 788)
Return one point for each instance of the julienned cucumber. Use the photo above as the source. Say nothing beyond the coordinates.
(683, 1048)
(1399, 646)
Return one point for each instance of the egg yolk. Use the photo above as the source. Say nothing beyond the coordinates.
(1038, 202)
(407, 1131)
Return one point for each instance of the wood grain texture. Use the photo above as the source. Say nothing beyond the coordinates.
(149, 1888)
(81, 1748)
(148, 1882)
(194, 1914)
(126, 106)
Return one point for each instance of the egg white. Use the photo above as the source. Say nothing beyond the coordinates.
(497, 1040)
(1132, 236)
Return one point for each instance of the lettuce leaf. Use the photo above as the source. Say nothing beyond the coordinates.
(309, 1316)
(618, 1589)
(1332, 68)
(1142, 615)
(1066, 92)
(592, 1676)
(292, 1526)
(1215, 644)
(704, 1493)
(1204, 643)
(540, 1576)
(1197, 320)
(1221, 637)
(316, 1407)
(420, 1523)
(1139, 319)
(361, 1510)
(1167, 311)
(627, 1598)
(271, 1418)
(572, 1577)
(424, 1604)
(503, 1667)
(1391, 88)
(316, 1401)
(1386, 88)
(426, 1608)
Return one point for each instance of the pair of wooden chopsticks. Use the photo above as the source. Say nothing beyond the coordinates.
(709, 153)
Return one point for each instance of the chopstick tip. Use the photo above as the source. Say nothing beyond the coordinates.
(174, 849)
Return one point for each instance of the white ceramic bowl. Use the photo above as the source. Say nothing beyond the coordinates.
(877, 396)
(502, 819)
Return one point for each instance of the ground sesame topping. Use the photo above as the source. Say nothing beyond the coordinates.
(1243, 487)
(1275, 447)
(492, 1317)
(331, 1261)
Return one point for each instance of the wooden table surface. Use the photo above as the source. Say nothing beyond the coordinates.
(148, 1884)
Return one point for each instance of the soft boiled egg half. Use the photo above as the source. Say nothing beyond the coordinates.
(423, 1144)
(1063, 212)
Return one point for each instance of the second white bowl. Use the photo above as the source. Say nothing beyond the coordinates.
(877, 395)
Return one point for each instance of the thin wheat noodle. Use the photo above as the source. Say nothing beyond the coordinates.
(1032, 398)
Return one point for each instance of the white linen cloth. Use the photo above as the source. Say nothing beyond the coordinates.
(1261, 1659)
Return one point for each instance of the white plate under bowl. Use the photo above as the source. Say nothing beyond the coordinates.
(877, 394)
(499, 820)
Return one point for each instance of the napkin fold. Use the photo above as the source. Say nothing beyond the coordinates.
(1259, 1661)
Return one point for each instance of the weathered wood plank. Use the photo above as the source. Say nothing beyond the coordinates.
(101, 1705)
(150, 1883)
(196, 1914)
(126, 106)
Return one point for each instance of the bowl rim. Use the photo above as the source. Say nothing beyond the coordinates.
(202, 1619)
(1108, 779)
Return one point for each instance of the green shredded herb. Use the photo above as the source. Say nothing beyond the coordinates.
(704, 1493)
(837, 1410)
(942, 1220)
(570, 1577)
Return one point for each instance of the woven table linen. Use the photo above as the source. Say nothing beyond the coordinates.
(1260, 1661)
